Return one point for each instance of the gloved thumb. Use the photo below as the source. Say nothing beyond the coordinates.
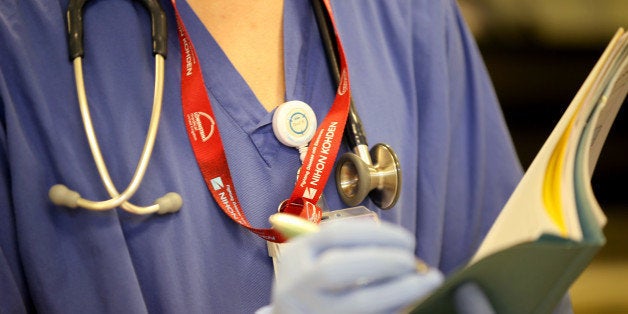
(470, 299)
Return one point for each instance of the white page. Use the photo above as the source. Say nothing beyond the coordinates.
(603, 120)
(599, 89)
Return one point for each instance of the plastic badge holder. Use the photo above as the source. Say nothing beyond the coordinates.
(352, 213)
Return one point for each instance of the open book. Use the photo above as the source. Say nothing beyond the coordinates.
(551, 227)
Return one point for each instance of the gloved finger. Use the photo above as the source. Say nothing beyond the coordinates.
(388, 296)
(342, 269)
(356, 233)
(469, 299)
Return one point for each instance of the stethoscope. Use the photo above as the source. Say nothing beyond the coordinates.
(60, 194)
(359, 173)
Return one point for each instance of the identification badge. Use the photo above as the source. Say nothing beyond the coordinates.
(352, 213)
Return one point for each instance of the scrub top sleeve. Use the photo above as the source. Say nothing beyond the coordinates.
(14, 296)
(12, 283)
(493, 166)
(12, 301)
(475, 146)
(484, 119)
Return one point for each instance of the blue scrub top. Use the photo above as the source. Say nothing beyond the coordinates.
(419, 85)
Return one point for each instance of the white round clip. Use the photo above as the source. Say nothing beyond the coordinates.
(294, 124)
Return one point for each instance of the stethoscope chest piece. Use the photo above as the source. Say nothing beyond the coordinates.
(380, 180)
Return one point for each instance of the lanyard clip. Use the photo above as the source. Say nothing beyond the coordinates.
(302, 208)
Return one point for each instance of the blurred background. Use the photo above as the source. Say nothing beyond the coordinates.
(538, 53)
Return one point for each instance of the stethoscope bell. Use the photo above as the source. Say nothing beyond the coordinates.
(381, 180)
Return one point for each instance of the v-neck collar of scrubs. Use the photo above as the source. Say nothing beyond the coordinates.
(303, 59)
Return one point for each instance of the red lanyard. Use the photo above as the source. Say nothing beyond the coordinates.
(210, 153)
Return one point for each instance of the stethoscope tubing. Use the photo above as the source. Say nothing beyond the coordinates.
(354, 132)
(60, 194)
(359, 175)
(121, 198)
(377, 183)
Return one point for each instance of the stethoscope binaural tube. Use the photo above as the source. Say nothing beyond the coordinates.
(60, 194)
(377, 173)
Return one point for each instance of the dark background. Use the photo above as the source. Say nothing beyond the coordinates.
(538, 53)
(535, 84)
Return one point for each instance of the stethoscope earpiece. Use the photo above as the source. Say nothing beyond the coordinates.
(381, 180)
(169, 203)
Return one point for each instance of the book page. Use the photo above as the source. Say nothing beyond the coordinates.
(599, 125)
(614, 99)
(559, 189)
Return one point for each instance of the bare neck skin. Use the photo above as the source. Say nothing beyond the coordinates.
(250, 32)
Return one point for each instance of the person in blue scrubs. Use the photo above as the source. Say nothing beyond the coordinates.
(419, 85)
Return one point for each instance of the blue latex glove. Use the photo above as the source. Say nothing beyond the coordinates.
(351, 267)
(470, 299)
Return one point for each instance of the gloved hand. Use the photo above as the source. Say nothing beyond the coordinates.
(351, 267)
(470, 299)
